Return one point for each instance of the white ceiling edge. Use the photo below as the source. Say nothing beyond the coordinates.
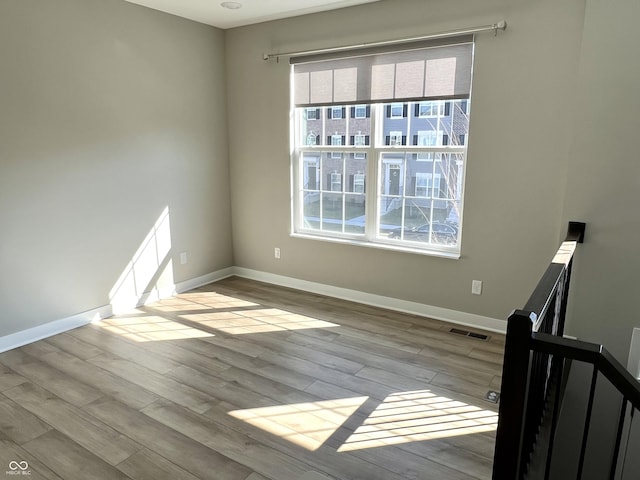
(210, 12)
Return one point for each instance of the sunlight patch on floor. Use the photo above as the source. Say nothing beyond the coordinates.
(258, 320)
(416, 416)
(200, 301)
(149, 328)
(308, 425)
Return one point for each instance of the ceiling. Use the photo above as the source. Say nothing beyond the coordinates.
(213, 13)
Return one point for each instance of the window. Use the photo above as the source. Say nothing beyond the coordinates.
(336, 182)
(430, 109)
(400, 121)
(422, 184)
(312, 114)
(427, 184)
(360, 111)
(395, 138)
(428, 138)
(396, 110)
(358, 183)
(336, 140)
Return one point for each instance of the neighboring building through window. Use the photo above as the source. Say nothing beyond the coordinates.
(401, 126)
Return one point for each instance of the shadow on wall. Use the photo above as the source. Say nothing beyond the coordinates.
(149, 274)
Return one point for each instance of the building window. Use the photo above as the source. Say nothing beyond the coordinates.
(358, 183)
(428, 138)
(336, 182)
(395, 138)
(415, 161)
(336, 140)
(430, 109)
(312, 114)
(396, 110)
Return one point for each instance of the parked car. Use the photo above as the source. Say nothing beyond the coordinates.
(445, 233)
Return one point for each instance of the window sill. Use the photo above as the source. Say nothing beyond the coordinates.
(454, 255)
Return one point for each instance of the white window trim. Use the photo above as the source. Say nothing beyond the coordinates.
(370, 237)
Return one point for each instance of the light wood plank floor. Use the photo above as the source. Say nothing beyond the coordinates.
(248, 381)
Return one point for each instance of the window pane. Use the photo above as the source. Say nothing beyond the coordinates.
(439, 123)
(310, 172)
(356, 172)
(310, 125)
(332, 212)
(332, 172)
(395, 124)
(418, 194)
(336, 125)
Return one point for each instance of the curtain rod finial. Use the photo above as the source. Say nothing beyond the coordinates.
(502, 25)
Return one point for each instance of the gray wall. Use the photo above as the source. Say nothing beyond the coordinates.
(517, 162)
(109, 113)
(604, 179)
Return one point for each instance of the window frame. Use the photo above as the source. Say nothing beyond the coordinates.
(396, 108)
(373, 154)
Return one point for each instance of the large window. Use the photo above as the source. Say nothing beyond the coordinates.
(381, 159)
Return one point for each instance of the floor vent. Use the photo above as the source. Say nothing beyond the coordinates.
(466, 333)
(492, 396)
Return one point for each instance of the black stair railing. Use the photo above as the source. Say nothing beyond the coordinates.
(536, 365)
(526, 375)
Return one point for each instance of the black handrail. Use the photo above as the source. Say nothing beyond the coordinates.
(525, 377)
(536, 361)
(594, 354)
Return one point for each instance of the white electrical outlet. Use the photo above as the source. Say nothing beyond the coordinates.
(476, 287)
(276, 253)
(183, 258)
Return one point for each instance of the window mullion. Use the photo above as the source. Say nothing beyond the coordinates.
(373, 154)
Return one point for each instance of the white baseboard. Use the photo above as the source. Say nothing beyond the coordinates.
(23, 337)
(437, 313)
(187, 285)
(30, 335)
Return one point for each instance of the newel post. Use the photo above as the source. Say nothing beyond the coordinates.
(507, 463)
